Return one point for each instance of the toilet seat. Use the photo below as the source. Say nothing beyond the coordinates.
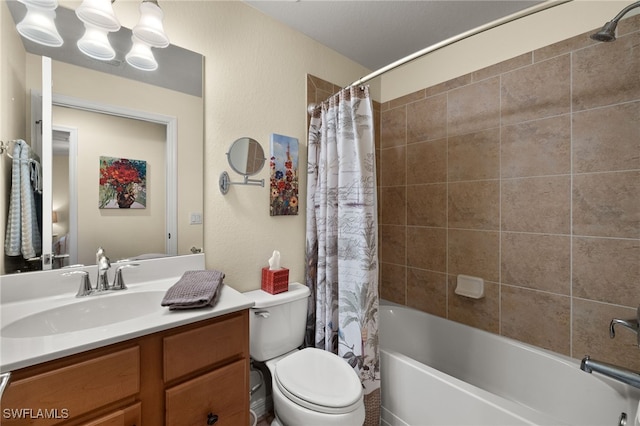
(320, 381)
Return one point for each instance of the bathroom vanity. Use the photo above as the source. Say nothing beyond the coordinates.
(165, 367)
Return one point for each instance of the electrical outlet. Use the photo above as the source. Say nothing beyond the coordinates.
(195, 219)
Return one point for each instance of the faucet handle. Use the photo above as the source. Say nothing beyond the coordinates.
(631, 324)
(85, 288)
(118, 281)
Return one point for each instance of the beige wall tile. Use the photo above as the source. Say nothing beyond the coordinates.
(606, 73)
(558, 130)
(392, 205)
(427, 205)
(427, 162)
(538, 204)
(393, 279)
(479, 313)
(537, 91)
(393, 127)
(591, 334)
(474, 253)
(474, 205)
(393, 243)
(427, 291)
(538, 318)
(407, 99)
(537, 148)
(607, 270)
(604, 138)
(607, 204)
(427, 248)
(474, 107)
(474, 156)
(427, 119)
(537, 261)
(393, 169)
(504, 66)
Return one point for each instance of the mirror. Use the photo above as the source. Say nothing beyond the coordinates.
(174, 92)
(246, 157)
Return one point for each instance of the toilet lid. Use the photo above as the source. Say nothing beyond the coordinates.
(319, 380)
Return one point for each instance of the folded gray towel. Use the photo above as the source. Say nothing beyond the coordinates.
(195, 289)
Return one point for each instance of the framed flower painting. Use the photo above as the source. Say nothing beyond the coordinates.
(284, 175)
(123, 183)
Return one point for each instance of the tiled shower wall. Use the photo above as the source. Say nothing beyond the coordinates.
(526, 174)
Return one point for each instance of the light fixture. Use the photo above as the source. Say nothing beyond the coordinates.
(38, 24)
(98, 13)
(99, 20)
(141, 56)
(149, 28)
(54, 216)
(95, 43)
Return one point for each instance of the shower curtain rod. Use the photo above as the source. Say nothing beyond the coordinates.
(526, 12)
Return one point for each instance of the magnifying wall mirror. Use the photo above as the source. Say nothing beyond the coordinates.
(246, 157)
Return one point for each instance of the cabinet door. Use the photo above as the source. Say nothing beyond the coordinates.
(220, 394)
(130, 416)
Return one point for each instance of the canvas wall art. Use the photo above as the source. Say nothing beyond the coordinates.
(123, 183)
(284, 175)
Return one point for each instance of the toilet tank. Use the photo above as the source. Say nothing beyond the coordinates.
(277, 322)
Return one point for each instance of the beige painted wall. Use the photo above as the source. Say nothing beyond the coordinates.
(255, 80)
(12, 106)
(501, 43)
(122, 233)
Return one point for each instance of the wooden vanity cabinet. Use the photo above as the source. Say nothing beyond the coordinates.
(189, 375)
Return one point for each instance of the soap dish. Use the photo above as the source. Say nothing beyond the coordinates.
(469, 286)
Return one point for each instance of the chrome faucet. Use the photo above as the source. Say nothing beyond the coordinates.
(103, 268)
(631, 324)
(118, 281)
(85, 284)
(618, 373)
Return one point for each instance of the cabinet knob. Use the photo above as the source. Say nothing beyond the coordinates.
(212, 418)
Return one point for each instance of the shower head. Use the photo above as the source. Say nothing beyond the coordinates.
(608, 31)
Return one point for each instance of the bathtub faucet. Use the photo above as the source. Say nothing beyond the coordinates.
(631, 324)
(618, 373)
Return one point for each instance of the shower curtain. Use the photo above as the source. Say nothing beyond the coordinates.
(341, 237)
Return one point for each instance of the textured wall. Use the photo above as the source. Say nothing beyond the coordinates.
(525, 173)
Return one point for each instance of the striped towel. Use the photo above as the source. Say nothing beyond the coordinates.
(195, 289)
(22, 234)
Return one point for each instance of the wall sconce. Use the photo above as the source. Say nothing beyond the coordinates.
(54, 216)
(38, 24)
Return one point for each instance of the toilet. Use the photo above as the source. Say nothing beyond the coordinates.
(310, 386)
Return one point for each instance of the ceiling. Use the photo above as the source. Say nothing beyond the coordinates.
(377, 33)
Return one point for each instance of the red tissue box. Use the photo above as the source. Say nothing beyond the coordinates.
(275, 281)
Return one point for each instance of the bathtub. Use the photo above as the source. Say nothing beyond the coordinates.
(439, 372)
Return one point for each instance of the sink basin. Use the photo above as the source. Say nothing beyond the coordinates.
(86, 313)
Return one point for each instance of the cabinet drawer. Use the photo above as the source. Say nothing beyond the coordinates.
(65, 393)
(201, 347)
(129, 416)
(221, 392)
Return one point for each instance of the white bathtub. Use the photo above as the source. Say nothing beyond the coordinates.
(439, 372)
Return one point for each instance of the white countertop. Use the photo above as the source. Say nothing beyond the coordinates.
(20, 352)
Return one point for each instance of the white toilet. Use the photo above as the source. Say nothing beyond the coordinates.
(310, 386)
